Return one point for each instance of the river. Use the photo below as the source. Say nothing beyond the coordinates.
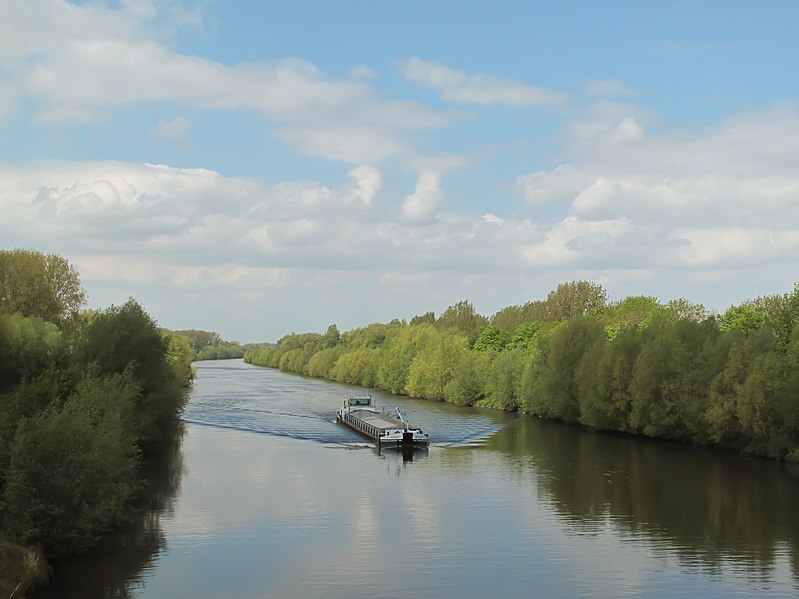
(265, 496)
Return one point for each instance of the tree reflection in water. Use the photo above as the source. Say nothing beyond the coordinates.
(707, 506)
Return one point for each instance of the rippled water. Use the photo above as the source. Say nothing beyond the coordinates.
(268, 498)
(261, 400)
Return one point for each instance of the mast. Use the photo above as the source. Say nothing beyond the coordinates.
(402, 419)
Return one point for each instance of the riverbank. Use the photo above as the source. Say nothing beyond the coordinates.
(698, 381)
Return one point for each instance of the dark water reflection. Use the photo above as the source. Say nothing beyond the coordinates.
(708, 507)
(276, 500)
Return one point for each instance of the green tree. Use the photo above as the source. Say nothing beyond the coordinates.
(724, 426)
(322, 363)
(466, 387)
(603, 381)
(505, 375)
(686, 310)
(492, 338)
(127, 338)
(426, 318)
(73, 469)
(37, 284)
(555, 394)
(668, 393)
(395, 357)
(28, 345)
(462, 318)
(355, 367)
(179, 356)
(511, 318)
(434, 363)
(198, 340)
(524, 336)
(637, 311)
(574, 299)
(747, 318)
(332, 337)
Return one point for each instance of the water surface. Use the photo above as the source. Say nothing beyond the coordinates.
(268, 497)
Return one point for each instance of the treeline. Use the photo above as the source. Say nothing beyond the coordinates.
(84, 397)
(207, 345)
(640, 366)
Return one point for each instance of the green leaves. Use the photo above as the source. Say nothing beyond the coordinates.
(72, 469)
(665, 370)
(37, 284)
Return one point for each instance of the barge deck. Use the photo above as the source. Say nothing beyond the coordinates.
(360, 415)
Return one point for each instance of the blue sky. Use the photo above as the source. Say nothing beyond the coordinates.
(262, 168)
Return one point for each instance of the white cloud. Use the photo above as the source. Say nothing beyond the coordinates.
(629, 198)
(463, 88)
(422, 204)
(603, 199)
(142, 9)
(610, 124)
(568, 241)
(150, 271)
(95, 59)
(724, 246)
(725, 197)
(559, 185)
(367, 181)
(493, 219)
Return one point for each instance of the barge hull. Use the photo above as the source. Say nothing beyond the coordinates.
(373, 432)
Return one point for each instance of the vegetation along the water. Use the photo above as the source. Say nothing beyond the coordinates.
(668, 370)
(85, 397)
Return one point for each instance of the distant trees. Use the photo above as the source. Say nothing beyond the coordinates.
(667, 370)
(208, 345)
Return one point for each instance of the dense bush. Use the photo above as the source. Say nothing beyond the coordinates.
(83, 396)
(663, 370)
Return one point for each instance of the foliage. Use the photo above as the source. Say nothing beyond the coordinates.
(125, 338)
(639, 366)
(72, 470)
(510, 319)
(504, 378)
(28, 345)
(37, 284)
(492, 338)
(179, 358)
(82, 397)
(466, 387)
(573, 299)
(208, 345)
(525, 336)
(426, 318)
(462, 318)
(434, 364)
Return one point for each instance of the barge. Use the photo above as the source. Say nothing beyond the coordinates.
(360, 414)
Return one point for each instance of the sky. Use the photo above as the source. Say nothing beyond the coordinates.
(262, 168)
